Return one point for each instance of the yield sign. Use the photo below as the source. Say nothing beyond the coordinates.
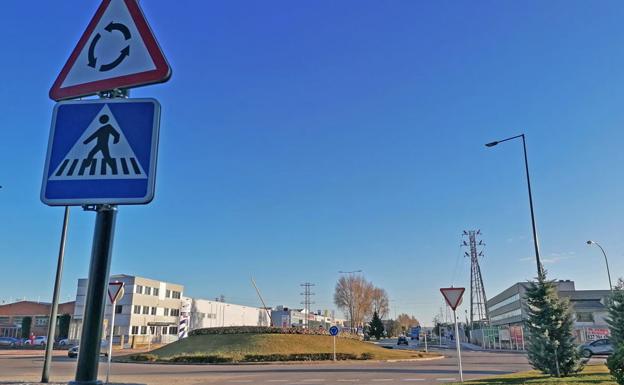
(115, 291)
(453, 295)
(117, 50)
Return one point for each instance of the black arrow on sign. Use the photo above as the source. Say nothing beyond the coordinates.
(92, 58)
(109, 66)
(119, 27)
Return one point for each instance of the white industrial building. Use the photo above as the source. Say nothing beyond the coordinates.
(207, 314)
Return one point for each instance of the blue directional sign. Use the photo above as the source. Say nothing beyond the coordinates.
(334, 330)
(102, 151)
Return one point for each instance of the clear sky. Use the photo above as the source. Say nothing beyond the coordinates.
(303, 138)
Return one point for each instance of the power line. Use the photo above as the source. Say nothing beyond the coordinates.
(307, 293)
(478, 301)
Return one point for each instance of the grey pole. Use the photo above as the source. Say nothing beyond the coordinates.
(606, 262)
(89, 355)
(45, 375)
(540, 269)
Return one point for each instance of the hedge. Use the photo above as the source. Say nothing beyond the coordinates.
(200, 358)
(264, 330)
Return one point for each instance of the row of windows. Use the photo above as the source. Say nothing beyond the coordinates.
(138, 309)
(509, 314)
(137, 330)
(507, 301)
(147, 290)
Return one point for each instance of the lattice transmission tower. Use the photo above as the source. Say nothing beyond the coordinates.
(307, 294)
(478, 301)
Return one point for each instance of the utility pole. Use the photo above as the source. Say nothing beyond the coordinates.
(307, 293)
(478, 300)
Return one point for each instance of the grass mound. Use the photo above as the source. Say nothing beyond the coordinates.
(591, 375)
(270, 347)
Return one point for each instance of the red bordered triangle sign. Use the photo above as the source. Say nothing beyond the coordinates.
(117, 50)
(115, 291)
(453, 295)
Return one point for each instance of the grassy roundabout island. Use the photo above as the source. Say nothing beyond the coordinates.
(224, 345)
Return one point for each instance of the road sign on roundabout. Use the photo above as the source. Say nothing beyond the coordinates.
(334, 330)
(117, 50)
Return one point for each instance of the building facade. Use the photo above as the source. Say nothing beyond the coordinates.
(148, 310)
(12, 314)
(206, 314)
(509, 308)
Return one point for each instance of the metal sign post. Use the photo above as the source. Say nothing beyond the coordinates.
(333, 331)
(453, 297)
(426, 351)
(89, 357)
(115, 292)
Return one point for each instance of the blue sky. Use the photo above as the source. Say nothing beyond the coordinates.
(299, 139)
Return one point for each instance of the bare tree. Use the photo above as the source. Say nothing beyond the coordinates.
(353, 295)
(407, 321)
(381, 303)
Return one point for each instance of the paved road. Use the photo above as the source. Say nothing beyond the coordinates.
(476, 364)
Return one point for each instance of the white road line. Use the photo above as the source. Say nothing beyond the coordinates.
(349, 380)
(239, 381)
(413, 379)
(381, 379)
(313, 380)
(446, 379)
(277, 380)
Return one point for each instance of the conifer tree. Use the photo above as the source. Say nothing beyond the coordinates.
(615, 362)
(376, 326)
(551, 347)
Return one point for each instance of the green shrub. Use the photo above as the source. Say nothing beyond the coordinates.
(366, 356)
(615, 363)
(200, 358)
(264, 330)
(143, 357)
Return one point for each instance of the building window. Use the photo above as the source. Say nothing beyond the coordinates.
(4, 320)
(148, 290)
(41, 321)
(175, 294)
(152, 330)
(509, 314)
(173, 330)
(135, 330)
(584, 317)
(174, 312)
(118, 309)
(17, 320)
(143, 329)
(153, 311)
(146, 309)
(166, 312)
(156, 291)
(506, 301)
(168, 293)
(137, 309)
(139, 289)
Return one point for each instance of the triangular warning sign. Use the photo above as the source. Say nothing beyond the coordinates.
(453, 295)
(117, 50)
(115, 291)
(101, 152)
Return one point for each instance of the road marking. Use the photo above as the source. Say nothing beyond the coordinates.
(446, 379)
(277, 380)
(413, 379)
(349, 380)
(381, 379)
(239, 381)
(313, 379)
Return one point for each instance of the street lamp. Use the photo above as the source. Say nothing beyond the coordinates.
(540, 270)
(606, 261)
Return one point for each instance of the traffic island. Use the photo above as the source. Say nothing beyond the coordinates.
(254, 345)
(591, 375)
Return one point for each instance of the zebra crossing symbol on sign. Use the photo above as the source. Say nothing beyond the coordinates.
(102, 151)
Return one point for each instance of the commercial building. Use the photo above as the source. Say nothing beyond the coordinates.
(206, 314)
(287, 317)
(148, 310)
(509, 309)
(12, 314)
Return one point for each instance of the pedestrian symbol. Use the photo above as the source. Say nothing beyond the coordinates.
(102, 151)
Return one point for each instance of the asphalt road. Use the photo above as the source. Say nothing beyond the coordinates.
(476, 364)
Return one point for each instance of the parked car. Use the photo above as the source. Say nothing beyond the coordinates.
(63, 342)
(599, 347)
(73, 351)
(39, 340)
(402, 341)
(9, 341)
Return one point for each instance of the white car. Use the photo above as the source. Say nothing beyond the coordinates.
(38, 341)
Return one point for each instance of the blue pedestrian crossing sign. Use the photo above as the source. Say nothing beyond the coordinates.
(102, 151)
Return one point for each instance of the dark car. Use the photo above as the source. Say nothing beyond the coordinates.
(402, 341)
(74, 350)
(9, 341)
(601, 347)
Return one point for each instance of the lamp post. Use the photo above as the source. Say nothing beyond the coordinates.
(606, 261)
(351, 308)
(540, 269)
